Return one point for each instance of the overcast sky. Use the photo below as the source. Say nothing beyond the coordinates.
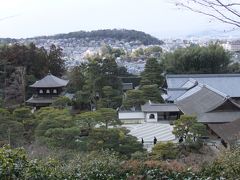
(161, 18)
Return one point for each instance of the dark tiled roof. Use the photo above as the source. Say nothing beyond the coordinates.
(226, 83)
(203, 102)
(50, 81)
(219, 117)
(200, 100)
(41, 100)
(229, 132)
(152, 107)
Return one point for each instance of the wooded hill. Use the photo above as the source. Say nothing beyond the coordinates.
(118, 34)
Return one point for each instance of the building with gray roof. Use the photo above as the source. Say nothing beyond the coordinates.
(209, 105)
(46, 91)
(176, 85)
(229, 132)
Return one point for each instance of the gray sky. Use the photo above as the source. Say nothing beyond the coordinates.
(28, 18)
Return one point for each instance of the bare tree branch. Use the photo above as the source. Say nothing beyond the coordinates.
(225, 11)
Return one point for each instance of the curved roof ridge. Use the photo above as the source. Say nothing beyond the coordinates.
(50, 81)
(215, 91)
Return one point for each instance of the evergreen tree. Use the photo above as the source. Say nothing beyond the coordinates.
(133, 98)
(152, 93)
(56, 62)
(152, 73)
(195, 59)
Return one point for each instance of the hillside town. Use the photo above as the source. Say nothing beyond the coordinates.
(76, 50)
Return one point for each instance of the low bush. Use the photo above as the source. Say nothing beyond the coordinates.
(165, 150)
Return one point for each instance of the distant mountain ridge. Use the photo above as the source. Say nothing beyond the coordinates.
(117, 34)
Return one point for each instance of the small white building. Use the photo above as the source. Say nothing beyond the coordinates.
(151, 112)
(131, 117)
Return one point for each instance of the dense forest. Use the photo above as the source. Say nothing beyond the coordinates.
(122, 34)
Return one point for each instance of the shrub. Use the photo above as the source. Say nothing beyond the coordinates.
(165, 150)
(227, 166)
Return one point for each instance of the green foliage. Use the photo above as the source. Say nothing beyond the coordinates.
(111, 98)
(11, 131)
(152, 73)
(1, 103)
(56, 127)
(118, 34)
(147, 52)
(55, 61)
(25, 116)
(14, 164)
(66, 137)
(154, 51)
(37, 61)
(22, 64)
(196, 59)
(21, 114)
(96, 165)
(136, 98)
(102, 72)
(61, 102)
(152, 93)
(108, 117)
(82, 99)
(139, 155)
(114, 139)
(133, 98)
(188, 129)
(77, 78)
(88, 120)
(226, 166)
(165, 150)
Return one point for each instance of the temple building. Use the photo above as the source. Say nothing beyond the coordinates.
(46, 91)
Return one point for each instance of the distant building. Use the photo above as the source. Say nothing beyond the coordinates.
(232, 46)
(46, 91)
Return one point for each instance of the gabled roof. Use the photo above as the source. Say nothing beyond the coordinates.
(200, 100)
(153, 107)
(173, 94)
(50, 81)
(229, 132)
(190, 84)
(226, 83)
(209, 105)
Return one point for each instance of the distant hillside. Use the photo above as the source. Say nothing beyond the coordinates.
(123, 34)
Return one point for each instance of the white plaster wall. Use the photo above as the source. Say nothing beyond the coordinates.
(131, 117)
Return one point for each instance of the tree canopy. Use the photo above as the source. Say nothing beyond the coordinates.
(152, 73)
(195, 59)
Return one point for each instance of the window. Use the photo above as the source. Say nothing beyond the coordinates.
(54, 91)
(40, 91)
(48, 91)
(151, 116)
